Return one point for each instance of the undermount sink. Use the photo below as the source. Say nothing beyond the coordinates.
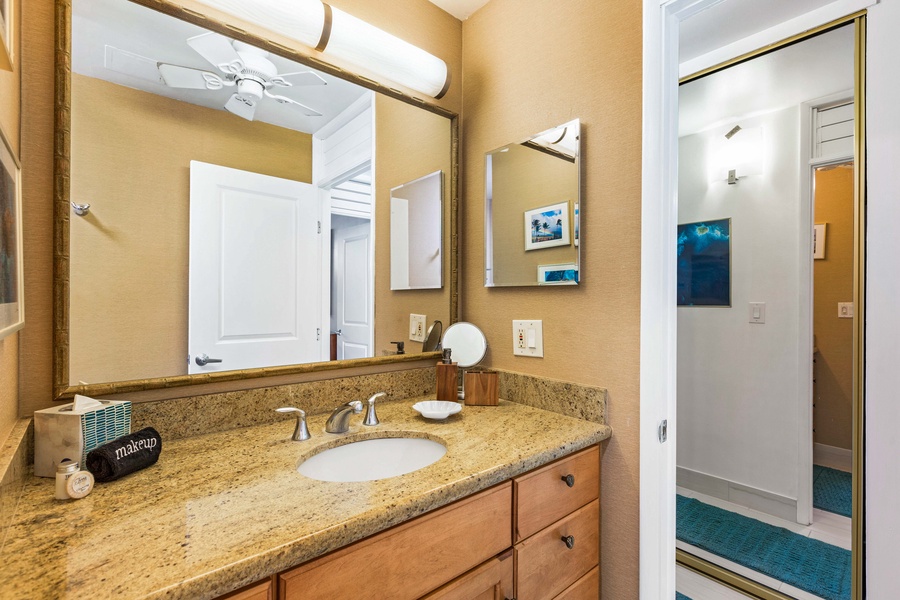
(368, 460)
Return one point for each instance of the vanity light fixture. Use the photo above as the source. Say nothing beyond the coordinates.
(740, 152)
(335, 33)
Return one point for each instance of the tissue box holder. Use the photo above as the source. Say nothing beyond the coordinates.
(60, 433)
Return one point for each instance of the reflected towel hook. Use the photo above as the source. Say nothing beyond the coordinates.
(81, 209)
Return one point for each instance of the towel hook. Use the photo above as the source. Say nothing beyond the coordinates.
(81, 209)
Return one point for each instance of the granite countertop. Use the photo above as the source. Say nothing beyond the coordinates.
(223, 510)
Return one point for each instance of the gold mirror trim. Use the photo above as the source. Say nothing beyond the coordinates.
(61, 167)
(728, 578)
(859, 330)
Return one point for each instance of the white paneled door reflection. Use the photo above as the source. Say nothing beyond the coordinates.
(255, 270)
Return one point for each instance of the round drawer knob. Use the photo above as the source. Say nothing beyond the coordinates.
(569, 479)
(569, 541)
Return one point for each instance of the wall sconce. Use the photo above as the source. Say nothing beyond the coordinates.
(336, 33)
(737, 154)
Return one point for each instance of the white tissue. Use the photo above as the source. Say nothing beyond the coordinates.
(84, 404)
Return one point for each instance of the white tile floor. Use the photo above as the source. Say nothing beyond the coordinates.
(827, 527)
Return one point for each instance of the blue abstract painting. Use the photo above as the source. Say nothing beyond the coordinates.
(704, 263)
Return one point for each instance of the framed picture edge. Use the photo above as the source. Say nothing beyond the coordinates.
(8, 161)
(543, 269)
(563, 241)
(7, 35)
(819, 240)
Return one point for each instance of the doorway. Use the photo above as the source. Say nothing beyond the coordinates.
(746, 359)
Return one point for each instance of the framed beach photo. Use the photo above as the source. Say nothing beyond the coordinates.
(547, 226)
(704, 263)
(562, 274)
(12, 315)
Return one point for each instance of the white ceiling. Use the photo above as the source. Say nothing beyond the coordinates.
(805, 71)
(461, 9)
(732, 20)
(135, 29)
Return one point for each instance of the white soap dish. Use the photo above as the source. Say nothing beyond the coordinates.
(437, 409)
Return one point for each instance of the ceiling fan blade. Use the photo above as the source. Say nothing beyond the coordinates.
(131, 64)
(297, 79)
(309, 112)
(185, 77)
(238, 105)
(218, 51)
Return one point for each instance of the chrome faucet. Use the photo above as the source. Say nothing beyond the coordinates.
(300, 431)
(339, 421)
(371, 417)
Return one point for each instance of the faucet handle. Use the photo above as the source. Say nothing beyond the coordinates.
(301, 432)
(356, 405)
(371, 417)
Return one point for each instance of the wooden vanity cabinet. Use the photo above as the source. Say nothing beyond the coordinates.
(413, 558)
(262, 590)
(557, 529)
(511, 541)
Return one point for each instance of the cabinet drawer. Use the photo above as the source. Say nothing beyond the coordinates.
(544, 496)
(545, 566)
(410, 559)
(586, 588)
(257, 591)
(489, 581)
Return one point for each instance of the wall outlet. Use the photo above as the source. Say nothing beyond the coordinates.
(845, 310)
(417, 328)
(528, 338)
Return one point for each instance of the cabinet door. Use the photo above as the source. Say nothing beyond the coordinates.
(492, 580)
(256, 591)
(546, 565)
(411, 559)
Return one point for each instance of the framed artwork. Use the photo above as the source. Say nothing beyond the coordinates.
(547, 226)
(7, 35)
(562, 274)
(704, 263)
(819, 240)
(11, 281)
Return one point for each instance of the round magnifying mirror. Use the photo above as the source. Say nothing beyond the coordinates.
(466, 342)
(433, 338)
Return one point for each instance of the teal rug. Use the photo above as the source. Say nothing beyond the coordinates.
(811, 565)
(833, 490)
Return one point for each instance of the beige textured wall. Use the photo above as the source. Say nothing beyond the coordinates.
(129, 255)
(583, 60)
(10, 112)
(417, 21)
(409, 143)
(833, 280)
(524, 179)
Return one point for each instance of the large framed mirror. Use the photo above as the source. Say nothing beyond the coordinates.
(532, 210)
(224, 241)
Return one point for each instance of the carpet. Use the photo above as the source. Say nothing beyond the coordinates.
(833, 490)
(811, 565)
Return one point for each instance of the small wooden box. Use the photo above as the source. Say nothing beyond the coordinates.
(482, 388)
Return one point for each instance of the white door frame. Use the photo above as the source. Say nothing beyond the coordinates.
(659, 211)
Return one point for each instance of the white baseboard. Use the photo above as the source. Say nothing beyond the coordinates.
(834, 457)
(744, 495)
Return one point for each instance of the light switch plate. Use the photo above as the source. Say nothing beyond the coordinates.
(528, 338)
(757, 312)
(417, 328)
(845, 310)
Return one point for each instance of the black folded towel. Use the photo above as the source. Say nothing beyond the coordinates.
(125, 455)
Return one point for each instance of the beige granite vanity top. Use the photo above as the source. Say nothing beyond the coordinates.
(223, 510)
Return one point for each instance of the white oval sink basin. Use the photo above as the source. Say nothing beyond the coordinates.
(368, 460)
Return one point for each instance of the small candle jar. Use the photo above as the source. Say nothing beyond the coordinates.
(64, 470)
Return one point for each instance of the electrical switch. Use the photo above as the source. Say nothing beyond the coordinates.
(528, 338)
(757, 312)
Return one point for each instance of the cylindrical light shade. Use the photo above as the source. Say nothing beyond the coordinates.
(359, 43)
(301, 20)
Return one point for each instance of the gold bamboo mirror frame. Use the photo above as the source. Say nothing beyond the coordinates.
(184, 10)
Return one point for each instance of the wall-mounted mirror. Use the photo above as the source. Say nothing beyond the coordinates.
(225, 224)
(532, 207)
(416, 225)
